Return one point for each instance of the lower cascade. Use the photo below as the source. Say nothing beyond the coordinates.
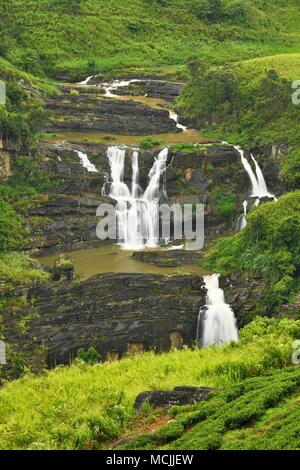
(137, 211)
(217, 322)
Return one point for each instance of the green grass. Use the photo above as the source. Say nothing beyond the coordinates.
(82, 406)
(17, 268)
(110, 35)
(11, 73)
(260, 413)
(286, 65)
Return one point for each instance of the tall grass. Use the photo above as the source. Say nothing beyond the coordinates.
(81, 407)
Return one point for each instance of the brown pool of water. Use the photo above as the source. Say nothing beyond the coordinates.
(112, 259)
(189, 137)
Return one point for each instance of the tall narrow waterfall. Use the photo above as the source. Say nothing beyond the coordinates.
(258, 182)
(217, 325)
(137, 212)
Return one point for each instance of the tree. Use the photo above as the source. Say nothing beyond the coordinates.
(208, 10)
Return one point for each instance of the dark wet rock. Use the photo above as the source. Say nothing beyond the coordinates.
(89, 113)
(167, 91)
(63, 269)
(180, 396)
(243, 293)
(170, 258)
(120, 313)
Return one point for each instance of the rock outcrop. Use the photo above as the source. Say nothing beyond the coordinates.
(180, 396)
(115, 313)
(164, 90)
(91, 112)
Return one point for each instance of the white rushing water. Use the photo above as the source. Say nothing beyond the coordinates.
(174, 117)
(258, 182)
(85, 162)
(111, 87)
(242, 222)
(86, 81)
(137, 211)
(217, 325)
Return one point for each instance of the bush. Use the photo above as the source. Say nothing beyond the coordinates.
(224, 205)
(290, 169)
(18, 268)
(88, 356)
(12, 234)
(208, 10)
(150, 142)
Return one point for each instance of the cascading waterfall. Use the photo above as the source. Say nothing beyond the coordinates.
(259, 185)
(85, 162)
(86, 81)
(174, 117)
(217, 323)
(111, 87)
(137, 212)
(242, 222)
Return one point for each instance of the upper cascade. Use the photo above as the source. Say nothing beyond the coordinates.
(137, 212)
(258, 182)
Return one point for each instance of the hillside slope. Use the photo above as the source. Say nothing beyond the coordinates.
(102, 35)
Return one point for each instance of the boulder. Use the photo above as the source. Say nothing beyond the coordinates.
(180, 396)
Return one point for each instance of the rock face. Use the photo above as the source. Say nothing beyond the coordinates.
(172, 258)
(91, 112)
(115, 313)
(68, 218)
(164, 90)
(180, 396)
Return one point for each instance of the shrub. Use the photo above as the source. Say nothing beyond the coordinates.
(12, 234)
(224, 205)
(149, 142)
(89, 356)
(290, 169)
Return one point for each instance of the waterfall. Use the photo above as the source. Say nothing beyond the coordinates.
(86, 81)
(110, 87)
(260, 179)
(137, 212)
(85, 162)
(174, 117)
(217, 325)
(242, 222)
(258, 182)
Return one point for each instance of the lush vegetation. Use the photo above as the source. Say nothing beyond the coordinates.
(268, 246)
(18, 194)
(290, 169)
(17, 269)
(251, 110)
(155, 33)
(84, 406)
(258, 414)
